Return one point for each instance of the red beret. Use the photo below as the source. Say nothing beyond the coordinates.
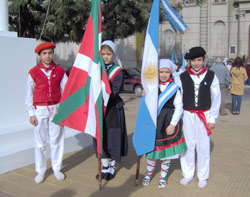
(43, 46)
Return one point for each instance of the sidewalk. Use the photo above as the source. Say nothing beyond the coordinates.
(229, 175)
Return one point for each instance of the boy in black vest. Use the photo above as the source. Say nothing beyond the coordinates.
(201, 103)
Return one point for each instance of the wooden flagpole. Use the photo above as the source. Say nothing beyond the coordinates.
(137, 171)
(99, 171)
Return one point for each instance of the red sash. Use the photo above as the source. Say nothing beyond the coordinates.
(201, 115)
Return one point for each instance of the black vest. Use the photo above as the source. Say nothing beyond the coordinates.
(204, 95)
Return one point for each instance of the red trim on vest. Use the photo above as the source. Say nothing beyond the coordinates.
(47, 92)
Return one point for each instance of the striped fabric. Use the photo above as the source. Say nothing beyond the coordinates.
(173, 17)
(87, 89)
(145, 127)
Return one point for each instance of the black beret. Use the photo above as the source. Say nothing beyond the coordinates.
(195, 52)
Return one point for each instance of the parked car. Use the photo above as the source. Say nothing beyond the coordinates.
(132, 80)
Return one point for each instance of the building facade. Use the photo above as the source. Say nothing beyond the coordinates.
(219, 26)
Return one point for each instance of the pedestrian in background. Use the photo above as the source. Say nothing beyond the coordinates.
(238, 77)
(224, 77)
(247, 82)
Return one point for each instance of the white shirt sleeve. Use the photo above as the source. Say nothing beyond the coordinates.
(29, 96)
(178, 108)
(215, 101)
(63, 82)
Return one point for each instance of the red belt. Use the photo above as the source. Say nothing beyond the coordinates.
(46, 103)
(201, 115)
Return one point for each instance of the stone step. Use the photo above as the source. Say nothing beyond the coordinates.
(17, 148)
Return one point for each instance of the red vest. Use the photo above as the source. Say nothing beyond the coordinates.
(47, 92)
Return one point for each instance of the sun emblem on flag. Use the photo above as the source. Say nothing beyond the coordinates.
(150, 74)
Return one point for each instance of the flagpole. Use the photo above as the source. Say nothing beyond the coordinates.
(137, 171)
(99, 172)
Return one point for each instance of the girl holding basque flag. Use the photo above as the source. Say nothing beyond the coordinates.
(115, 143)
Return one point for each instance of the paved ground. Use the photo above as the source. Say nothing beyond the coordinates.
(230, 166)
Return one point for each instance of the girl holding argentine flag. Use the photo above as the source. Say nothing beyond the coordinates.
(115, 143)
(169, 142)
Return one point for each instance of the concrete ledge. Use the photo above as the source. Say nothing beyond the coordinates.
(17, 148)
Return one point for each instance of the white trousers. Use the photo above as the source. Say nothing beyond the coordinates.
(196, 138)
(48, 132)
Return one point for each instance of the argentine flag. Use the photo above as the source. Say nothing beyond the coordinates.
(145, 127)
(173, 17)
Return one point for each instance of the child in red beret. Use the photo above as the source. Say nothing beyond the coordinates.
(45, 84)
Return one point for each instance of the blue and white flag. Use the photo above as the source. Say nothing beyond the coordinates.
(145, 127)
(173, 17)
(184, 61)
(174, 57)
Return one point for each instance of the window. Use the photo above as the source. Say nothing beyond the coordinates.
(232, 49)
(190, 1)
(219, 1)
(219, 39)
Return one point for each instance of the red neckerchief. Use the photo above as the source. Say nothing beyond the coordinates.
(191, 72)
(165, 83)
(50, 67)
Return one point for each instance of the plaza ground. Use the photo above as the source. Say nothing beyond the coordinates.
(229, 174)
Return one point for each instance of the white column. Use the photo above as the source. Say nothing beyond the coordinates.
(4, 15)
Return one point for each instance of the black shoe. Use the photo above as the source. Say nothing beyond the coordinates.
(110, 176)
(104, 176)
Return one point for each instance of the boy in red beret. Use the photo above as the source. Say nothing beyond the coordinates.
(45, 84)
(201, 104)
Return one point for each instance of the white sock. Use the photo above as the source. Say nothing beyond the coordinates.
(105, 165)
(202, 183)
(185, 181)
(59, 175)
(164, 167)
(112, 166)
(39, 177)
(150, 165)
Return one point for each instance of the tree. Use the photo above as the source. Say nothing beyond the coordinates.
(66, 19)
(123, 18)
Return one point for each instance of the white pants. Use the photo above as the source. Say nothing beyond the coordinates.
(196, 137)
(48, 132)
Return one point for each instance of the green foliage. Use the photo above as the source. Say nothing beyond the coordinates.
(123, 18)
(67, 19)
(64, 22)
